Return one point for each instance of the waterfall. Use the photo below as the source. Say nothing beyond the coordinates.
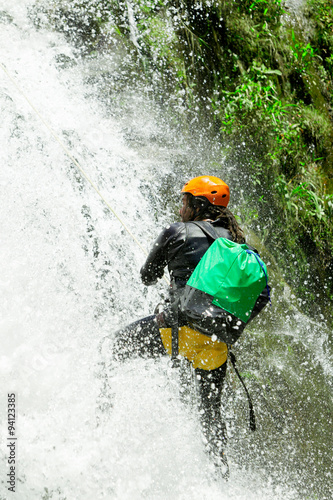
(132, 26)
(70, 278)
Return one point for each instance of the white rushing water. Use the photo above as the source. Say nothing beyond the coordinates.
(69, 277)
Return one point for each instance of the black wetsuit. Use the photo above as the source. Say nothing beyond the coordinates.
(179, 247)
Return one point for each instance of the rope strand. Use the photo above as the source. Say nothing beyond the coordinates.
(68, 153)
(77, 164)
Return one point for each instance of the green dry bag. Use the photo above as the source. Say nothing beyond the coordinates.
(231, 273)
(227, 288)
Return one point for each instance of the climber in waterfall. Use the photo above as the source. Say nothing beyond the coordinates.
(180, 247)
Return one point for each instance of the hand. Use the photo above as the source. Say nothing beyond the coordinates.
(159, 318)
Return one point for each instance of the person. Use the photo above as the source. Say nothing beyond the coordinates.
(179, 248)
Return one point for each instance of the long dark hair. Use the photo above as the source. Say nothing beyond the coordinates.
(203, 209)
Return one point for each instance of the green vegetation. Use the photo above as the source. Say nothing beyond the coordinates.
(265, 82)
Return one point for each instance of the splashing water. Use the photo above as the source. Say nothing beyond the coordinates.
(70, 277)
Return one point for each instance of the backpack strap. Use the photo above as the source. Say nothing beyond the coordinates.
(252, 416)
(208, 229)
(175, 334)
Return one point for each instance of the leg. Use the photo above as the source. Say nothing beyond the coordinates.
(209, 388)
(141, 338)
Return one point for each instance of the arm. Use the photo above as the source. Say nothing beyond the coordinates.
(158, 258)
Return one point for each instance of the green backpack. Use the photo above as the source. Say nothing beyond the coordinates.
(227, 288)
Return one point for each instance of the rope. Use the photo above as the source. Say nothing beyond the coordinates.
(85, 175)
(252, 415)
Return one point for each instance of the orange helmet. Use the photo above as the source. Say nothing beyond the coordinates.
(214, 189)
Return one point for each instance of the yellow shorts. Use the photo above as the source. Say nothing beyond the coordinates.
(201, 350)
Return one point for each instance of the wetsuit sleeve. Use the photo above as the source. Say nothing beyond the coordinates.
(158, 258)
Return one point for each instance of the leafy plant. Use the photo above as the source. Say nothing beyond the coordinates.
(269, 10)
(303, 54)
